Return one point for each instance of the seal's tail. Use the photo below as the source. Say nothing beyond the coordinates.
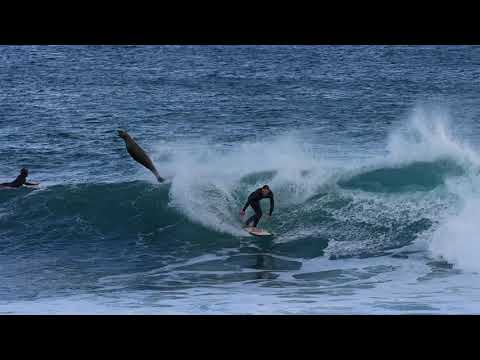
(159, 178)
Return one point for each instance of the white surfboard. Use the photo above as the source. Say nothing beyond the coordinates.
(257, 231)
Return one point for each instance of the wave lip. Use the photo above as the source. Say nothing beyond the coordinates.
(415, 176)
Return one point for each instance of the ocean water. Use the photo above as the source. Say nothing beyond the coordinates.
(372, 152)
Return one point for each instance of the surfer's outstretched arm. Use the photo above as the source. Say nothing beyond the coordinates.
(242, 212)
(272, 203)
(31, 183)
(246, 205)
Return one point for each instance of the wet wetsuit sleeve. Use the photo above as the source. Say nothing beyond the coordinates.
(246, 204)
(272, 203)
(248, 201)
(253, 196)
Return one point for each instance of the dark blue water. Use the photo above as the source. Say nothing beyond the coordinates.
(371, 152)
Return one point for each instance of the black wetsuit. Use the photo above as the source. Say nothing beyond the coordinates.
(254, 201)
(19, 181)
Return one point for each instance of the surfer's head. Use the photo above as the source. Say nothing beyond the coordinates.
(122, 133)
(265, 190)
(24, 172)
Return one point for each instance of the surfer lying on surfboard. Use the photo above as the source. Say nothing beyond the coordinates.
(19, 181)
(254, 201)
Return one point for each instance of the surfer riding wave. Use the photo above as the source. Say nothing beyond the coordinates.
(254, 201)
